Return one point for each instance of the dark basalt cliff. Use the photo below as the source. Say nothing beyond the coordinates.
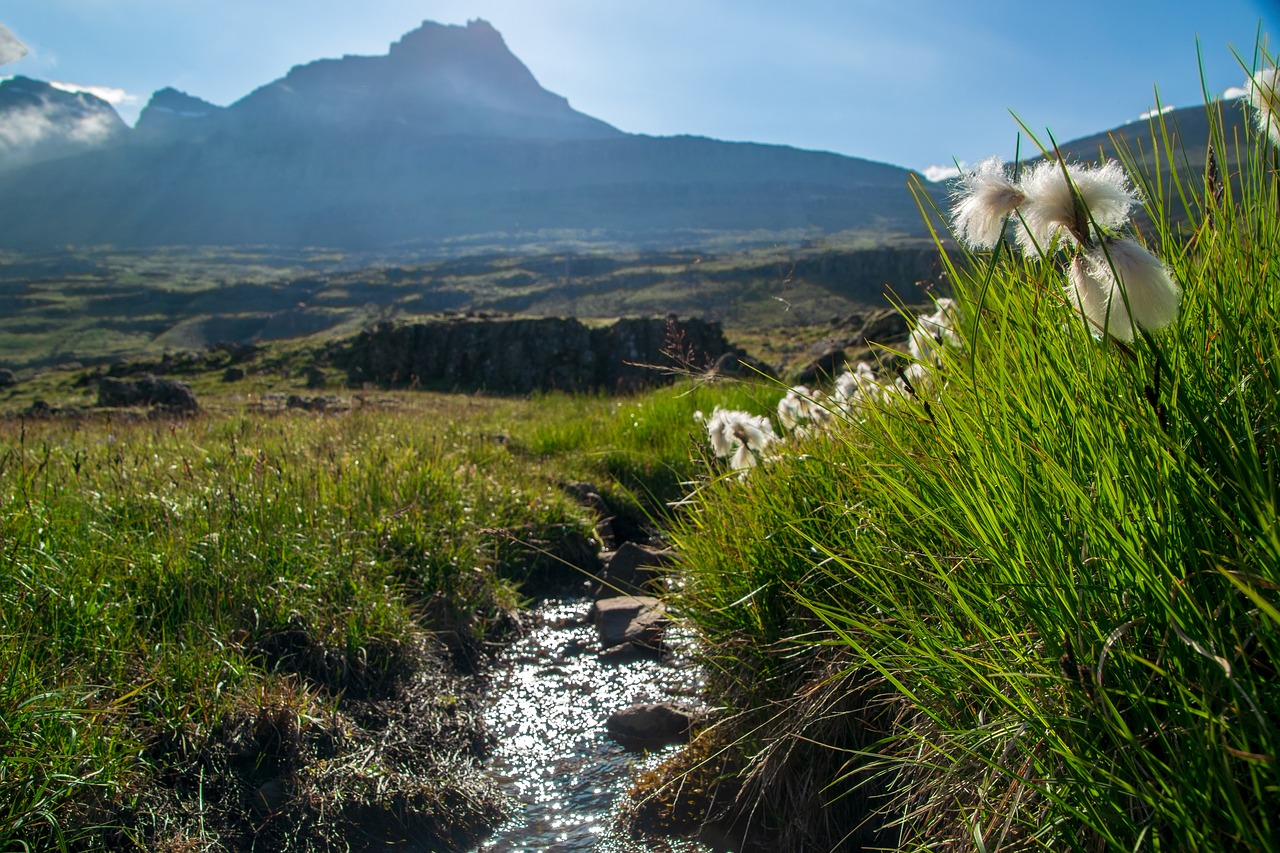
(523, 355)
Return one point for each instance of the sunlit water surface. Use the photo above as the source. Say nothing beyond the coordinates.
(549, 699)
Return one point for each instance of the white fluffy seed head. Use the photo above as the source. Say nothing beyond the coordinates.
(1051, 213)
(933, 332)
(921, 378)
(922, 345)
(1146, 283)
(755, 433)
(1095, 298)
(719, 431)
(802, 406)
(739, 435)
(789, 411)
(852, 387)
(1107, 193)
(743, 459)
(983, 199)
(1263, 94)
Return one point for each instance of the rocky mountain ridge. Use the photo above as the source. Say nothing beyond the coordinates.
(436, 81)
(445, 138)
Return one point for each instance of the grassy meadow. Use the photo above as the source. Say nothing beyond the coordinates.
(239, 627)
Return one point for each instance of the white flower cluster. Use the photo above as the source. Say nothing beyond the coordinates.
(746, 440)
(741, 437)
(854, 387)
(933, 332)
(1113, 281)
(803, 409)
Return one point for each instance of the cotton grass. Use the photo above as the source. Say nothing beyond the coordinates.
(1071, 204)
(1113, 281)
(803, 408)
(1146, 285)
(1263, 95)
(1066, 573)
(746, 440)
(985, 197)
(740, 437)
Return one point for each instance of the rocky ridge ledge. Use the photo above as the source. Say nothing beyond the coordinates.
(519, 355)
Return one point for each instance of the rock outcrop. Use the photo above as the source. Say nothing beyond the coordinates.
(146, 391)
(520, 355)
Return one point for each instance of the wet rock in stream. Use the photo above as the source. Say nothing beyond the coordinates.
(632, 569)
(650, 724)
(637, 619)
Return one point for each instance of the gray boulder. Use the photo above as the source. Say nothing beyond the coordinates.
(652, 724)
(825, 359)
(632, 568)
(147, 391)
(637, 619)
(887, 327)
(739, 363)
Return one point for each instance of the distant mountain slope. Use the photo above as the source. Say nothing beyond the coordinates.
(446, 137)
(1188, 133)
(39, 121)
(303, 190)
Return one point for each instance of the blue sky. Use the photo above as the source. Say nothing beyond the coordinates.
(911, 82)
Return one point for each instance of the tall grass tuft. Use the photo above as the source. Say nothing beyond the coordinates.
(1054, 575)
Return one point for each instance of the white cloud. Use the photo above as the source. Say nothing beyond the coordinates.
(1233, 92)
(110, 94)
(941, 173)
(28, 127)
(1156, 112)
(11, 49)
(24, 127)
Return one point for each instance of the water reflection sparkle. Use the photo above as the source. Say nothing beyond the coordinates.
(549, 698)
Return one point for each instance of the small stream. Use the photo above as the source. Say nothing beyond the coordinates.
(549, 699)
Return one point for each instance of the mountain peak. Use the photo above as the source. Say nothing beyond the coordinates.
(170, 108)
(432, 38)
(444, 140)
(438, 80)
(475, 53)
